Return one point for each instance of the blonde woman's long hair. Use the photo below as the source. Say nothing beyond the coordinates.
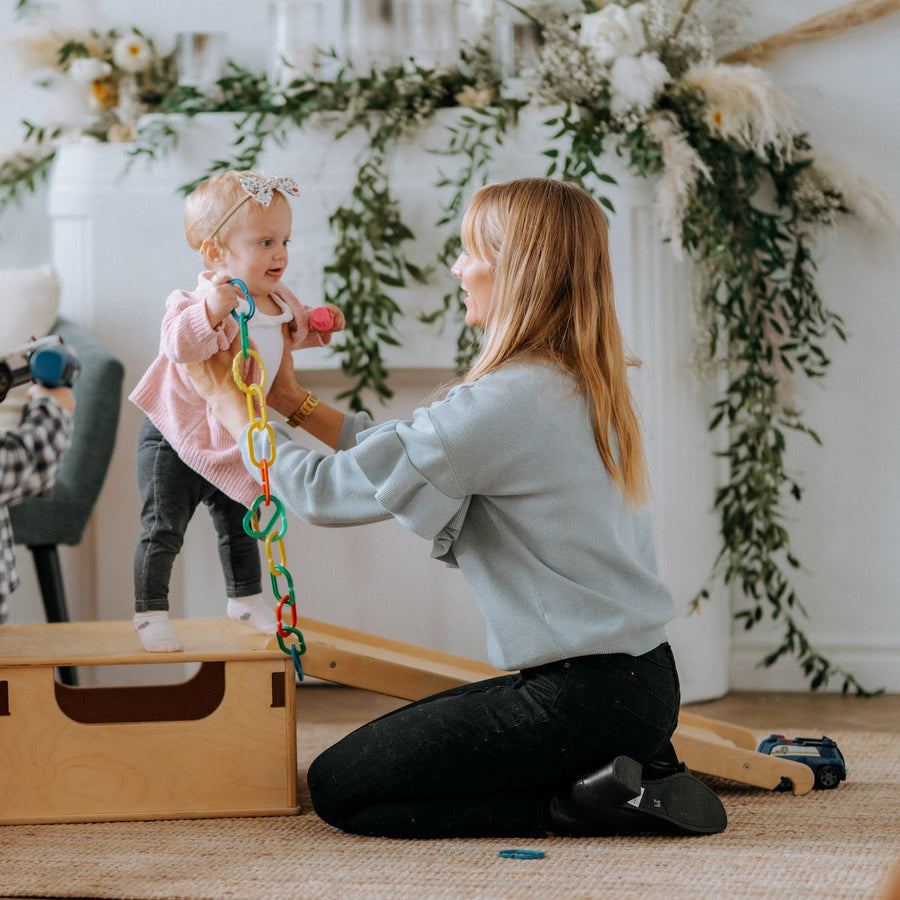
(547, 244)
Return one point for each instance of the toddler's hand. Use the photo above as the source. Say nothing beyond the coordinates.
(339, 322)
(221, 299)
(326, 319)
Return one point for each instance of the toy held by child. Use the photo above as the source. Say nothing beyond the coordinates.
(240, 222)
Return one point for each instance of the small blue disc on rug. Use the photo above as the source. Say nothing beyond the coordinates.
(522, 854)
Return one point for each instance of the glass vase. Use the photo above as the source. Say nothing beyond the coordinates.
(373, 31)
(296, 29)
(199, 58)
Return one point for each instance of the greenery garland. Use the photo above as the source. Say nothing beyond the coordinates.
(746, 220)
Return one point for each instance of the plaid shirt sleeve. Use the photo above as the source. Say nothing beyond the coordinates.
(31, 454)
(30, 457)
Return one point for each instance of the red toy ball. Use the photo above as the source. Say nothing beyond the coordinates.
(321, 319)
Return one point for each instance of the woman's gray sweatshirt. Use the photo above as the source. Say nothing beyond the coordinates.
(504, 477)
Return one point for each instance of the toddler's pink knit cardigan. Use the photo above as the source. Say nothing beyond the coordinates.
(166, 395)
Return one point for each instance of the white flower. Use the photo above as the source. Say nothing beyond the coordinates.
(85, 69)
(744, 106)
(129, 108)
(132, 53)
(635, 82)
(614, 31)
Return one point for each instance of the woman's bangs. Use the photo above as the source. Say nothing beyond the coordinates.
(475, 230)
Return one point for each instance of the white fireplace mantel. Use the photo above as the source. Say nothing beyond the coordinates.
(119, 249)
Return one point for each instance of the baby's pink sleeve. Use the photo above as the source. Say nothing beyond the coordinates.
(303, 336)
(187, 335)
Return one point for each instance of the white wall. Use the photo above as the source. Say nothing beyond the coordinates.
(846, 528)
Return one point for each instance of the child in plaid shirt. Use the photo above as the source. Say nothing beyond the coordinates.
(30, 456)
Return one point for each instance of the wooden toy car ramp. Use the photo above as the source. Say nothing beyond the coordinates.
(729, 751)
(410, 672)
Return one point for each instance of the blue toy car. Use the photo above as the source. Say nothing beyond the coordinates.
(820, 754)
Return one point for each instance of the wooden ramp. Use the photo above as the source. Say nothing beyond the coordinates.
(359, 659)
(729, 751)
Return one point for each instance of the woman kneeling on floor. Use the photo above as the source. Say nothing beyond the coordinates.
(529, 476)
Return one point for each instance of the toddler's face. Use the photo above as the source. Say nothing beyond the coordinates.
(257, 246)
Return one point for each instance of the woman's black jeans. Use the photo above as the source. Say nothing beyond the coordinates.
(484, 759)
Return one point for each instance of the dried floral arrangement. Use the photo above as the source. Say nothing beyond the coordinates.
(739, 193)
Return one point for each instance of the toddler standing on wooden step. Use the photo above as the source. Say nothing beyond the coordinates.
(240, 222)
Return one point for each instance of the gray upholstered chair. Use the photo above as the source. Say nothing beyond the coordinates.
(42, 524)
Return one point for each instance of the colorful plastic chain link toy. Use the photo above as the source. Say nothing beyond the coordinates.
(276, 528)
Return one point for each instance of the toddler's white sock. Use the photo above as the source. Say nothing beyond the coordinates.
(253, 611)
(155, 631)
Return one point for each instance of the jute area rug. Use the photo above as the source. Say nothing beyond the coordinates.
(826, 845)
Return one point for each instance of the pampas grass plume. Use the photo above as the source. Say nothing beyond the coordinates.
(682, 167)
(745, 106)
(862, 197)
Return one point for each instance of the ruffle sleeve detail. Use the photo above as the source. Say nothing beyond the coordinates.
(406, 464)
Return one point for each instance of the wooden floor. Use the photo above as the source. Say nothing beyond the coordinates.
(807, 714)
(811, 714)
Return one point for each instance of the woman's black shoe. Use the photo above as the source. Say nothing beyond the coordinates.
(579, 806)
(625, 798)
(676, 803)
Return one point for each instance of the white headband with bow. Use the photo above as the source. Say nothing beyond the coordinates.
(260, 190)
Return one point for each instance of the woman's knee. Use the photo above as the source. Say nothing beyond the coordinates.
(326, 791)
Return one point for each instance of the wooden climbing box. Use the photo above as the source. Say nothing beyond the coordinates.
(223, 743)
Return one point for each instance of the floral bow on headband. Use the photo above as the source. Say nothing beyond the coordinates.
(260, 189)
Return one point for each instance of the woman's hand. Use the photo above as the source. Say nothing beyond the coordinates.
(214, 382)
(286, 396)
